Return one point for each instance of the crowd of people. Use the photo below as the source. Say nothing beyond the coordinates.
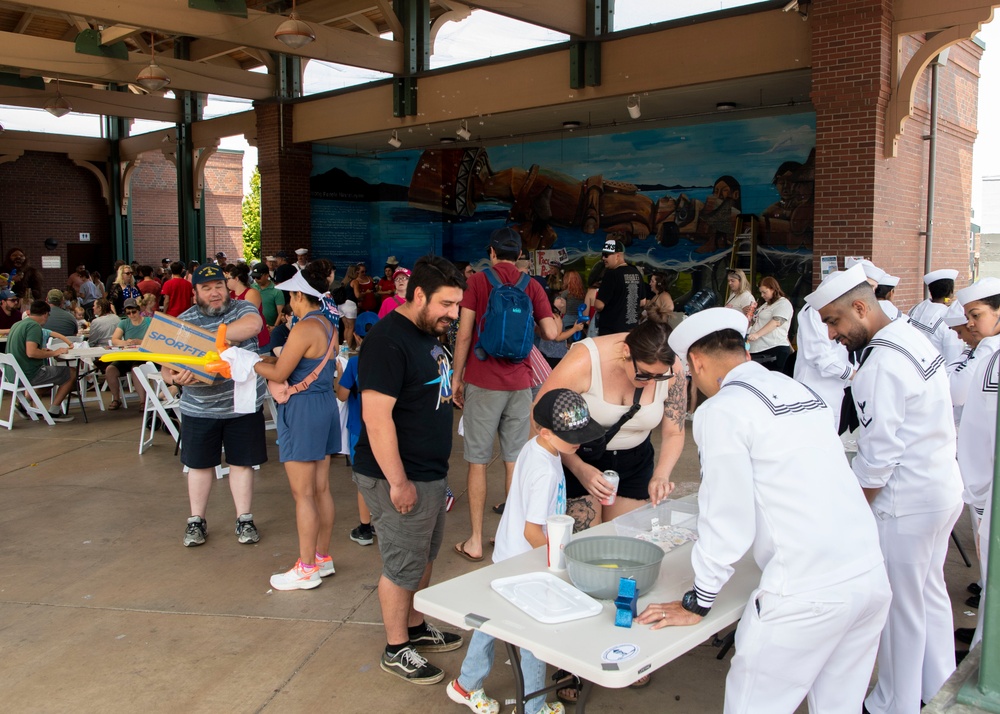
(853, 583)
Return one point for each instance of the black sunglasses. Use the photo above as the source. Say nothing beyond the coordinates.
(647, 377)
(130, 310)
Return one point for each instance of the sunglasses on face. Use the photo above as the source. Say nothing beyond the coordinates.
(130, 311)
(647, 377)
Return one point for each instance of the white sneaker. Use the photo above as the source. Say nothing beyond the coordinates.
(477, 700)
(549, 708)
(297, 579)
(325, 566)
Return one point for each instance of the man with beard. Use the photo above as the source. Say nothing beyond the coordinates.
(907, 469)
(401, 458)
(210, 422)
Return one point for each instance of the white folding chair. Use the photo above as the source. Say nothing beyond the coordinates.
(86, 377)
(148, 375)
(21, 392)
(272, 409)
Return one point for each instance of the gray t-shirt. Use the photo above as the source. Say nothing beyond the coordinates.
(61, 321)
(101, 330)
(215, 401)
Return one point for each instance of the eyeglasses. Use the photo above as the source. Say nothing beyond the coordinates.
(647, 377)
(127, 272)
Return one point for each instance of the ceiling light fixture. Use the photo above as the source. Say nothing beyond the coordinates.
(152, 78)
(725, 106)
(632, 104)
(572, 125)
(463, 131)
(447, 140)
(293, 32)
(58, 106)
(394, 141)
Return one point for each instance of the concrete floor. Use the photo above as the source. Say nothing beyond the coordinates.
(102, 608)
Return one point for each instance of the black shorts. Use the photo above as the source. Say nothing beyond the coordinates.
(202, 441)
(634, 467)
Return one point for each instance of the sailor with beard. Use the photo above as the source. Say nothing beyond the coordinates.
(906, 466)
(210, 422)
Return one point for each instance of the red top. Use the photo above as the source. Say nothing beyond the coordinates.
(492, 373)
(366, 296)
(180, 293)
(264, 336)
(149, 286)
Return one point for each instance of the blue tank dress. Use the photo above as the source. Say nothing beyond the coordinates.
(309, 422)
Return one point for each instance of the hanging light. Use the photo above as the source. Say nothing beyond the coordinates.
(463, 131)
(152, 78)
(58, 106)
(394, 141)
(293, 32)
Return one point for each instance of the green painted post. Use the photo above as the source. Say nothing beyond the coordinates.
(116, 129)
(190, 220)
(985, 693)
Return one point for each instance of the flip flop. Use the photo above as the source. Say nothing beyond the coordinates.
(498, 509)
(460, 549)
(571, 692)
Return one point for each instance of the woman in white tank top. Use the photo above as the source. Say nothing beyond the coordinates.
(607, 371)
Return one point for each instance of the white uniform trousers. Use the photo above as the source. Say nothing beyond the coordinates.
(917, 651)
(983, 548)
(819, 646)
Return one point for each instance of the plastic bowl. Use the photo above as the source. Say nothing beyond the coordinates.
(596, 564)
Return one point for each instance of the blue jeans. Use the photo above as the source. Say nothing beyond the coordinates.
(479, 661)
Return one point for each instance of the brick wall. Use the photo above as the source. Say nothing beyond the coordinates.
(867, 204)
(45, 196)
(284, 182)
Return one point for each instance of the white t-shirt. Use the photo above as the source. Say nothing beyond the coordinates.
(537, 491)
(782, 311)
(740, 301)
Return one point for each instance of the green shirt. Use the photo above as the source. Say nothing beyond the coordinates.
(133, 332)
(272, 300)
(23, 332)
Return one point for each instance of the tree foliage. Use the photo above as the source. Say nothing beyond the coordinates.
(251, 219)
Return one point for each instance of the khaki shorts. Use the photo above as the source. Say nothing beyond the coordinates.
(408, 542)
(489, 413)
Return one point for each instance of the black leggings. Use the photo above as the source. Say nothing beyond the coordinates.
(634, 466)
(774, 358)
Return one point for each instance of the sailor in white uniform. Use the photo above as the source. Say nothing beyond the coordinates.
(961, 370)
(928, 316)
(906, 465)
(885, 291)
(775, 479)
(820, 363)
(983, 333)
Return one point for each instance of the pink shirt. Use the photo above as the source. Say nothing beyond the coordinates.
(390, 304)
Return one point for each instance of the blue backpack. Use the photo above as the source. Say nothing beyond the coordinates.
(507, 328)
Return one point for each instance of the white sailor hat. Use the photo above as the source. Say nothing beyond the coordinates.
(980, 289)
(301, 251)
(298, 284)
(890, 281)
(955, 315)
(943, 274)
(836, 284)
(872, 271)
(705, 323)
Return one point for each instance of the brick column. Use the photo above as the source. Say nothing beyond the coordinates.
(284, 181)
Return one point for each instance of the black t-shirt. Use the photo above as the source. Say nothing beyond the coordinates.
(285, 271)
(400, 360)
(621, 291)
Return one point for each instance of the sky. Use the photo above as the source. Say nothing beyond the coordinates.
(486, 35)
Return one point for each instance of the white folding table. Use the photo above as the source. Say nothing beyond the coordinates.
(593, 649)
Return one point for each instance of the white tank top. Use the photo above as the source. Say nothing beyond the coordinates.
(636, 429)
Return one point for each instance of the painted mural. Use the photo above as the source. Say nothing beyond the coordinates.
(675, 196)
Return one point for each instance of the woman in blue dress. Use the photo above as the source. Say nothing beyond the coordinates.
(308, 424)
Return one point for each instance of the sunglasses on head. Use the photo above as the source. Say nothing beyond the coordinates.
(641, 376)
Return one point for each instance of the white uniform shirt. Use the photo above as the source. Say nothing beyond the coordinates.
(537, 491)
(775, 477)
(891, 311)
(977, 434)
(906, 443)
(821, 364)
(928, 317)
(963, 371)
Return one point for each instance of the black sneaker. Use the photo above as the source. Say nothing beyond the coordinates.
(965, 635)
(60, 417)
(433, 640)
(973, 588)
(196, 531)
(363, 534)
(246, 531)
(407, 664)
(973, 601)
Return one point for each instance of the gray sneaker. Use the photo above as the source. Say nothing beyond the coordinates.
(60, 417)
(246, 531)
(407, 664)
(197, 530)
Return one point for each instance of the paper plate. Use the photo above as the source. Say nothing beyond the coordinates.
(546, 597)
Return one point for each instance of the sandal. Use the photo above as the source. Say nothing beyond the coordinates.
(571, 692)
(641, 683)
(115, 405)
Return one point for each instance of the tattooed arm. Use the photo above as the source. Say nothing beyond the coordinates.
(672, 435)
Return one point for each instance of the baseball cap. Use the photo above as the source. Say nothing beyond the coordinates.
(259, 270)
(220, 254)
(207, 274)
(166, 260)
(8, 295)
(364, 322)
(566, 414)
(283, 254)
(613, 246)
(505, 239)
(400, 271)
(130, 302)
(55, 295)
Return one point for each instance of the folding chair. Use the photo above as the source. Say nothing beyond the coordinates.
(21, 392)
(53, 343)
(272, 409)
(148, 375)
(86, 377)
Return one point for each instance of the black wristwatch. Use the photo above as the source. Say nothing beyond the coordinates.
(690, 603)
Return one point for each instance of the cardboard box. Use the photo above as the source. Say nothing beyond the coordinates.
(168, 335)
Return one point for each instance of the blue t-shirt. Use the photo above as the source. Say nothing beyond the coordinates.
(349, 380)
